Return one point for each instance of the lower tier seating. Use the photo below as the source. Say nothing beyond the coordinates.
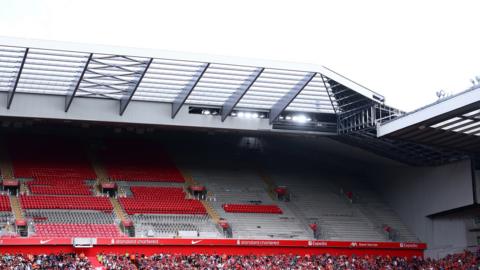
(5, 203)
(252, 208)
(77, 230)
(6, 217)
(66, 202)
(170, 225)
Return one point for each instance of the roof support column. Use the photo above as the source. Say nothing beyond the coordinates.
(71, 93)
(284, 101)
(127, 97)
(185, 93)
(11, 92)
(233, 100)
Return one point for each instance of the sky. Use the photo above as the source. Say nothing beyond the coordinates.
(405, 50)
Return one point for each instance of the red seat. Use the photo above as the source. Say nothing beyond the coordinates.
(5, 203)
(154, 166)
(161, 200)
(252, 208)
(77, 230)
(66, 202)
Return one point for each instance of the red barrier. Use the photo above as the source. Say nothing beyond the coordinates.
(229, 246)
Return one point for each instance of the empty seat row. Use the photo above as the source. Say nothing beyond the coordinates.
(66, 202)
(56, 182)
(139, 205)
(70, 216)
(157, 192)
(61, 190)
(77, 230)
(252, 208)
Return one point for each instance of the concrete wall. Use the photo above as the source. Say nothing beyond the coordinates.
(416, 193)
(477, 181)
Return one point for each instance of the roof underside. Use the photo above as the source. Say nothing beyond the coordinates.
(39, 69)
(452, 123)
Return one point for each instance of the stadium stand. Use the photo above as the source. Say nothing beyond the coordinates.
(229, 184)
(165, 211)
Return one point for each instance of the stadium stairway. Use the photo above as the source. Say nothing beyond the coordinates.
(100, 171)
(118, 210)
(102, 177)
(16, 208)
(24, 188)
(270, 184)
(212, 213)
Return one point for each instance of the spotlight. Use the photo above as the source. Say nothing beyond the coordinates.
(241, 114)
(255, 115)
(288, 117)
(300, 118)
(206, 112)
(233, 114)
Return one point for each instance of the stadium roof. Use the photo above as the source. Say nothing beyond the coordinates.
(79, 82)
(129, 74)
(451, 123)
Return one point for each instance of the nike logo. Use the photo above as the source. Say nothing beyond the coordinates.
(196, 242)
(45, 241)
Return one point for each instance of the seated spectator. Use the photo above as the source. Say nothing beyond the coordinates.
(462, 261)
(44, 261)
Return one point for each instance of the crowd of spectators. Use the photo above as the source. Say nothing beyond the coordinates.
(69, 261)
(462, 261)
(64, 261)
